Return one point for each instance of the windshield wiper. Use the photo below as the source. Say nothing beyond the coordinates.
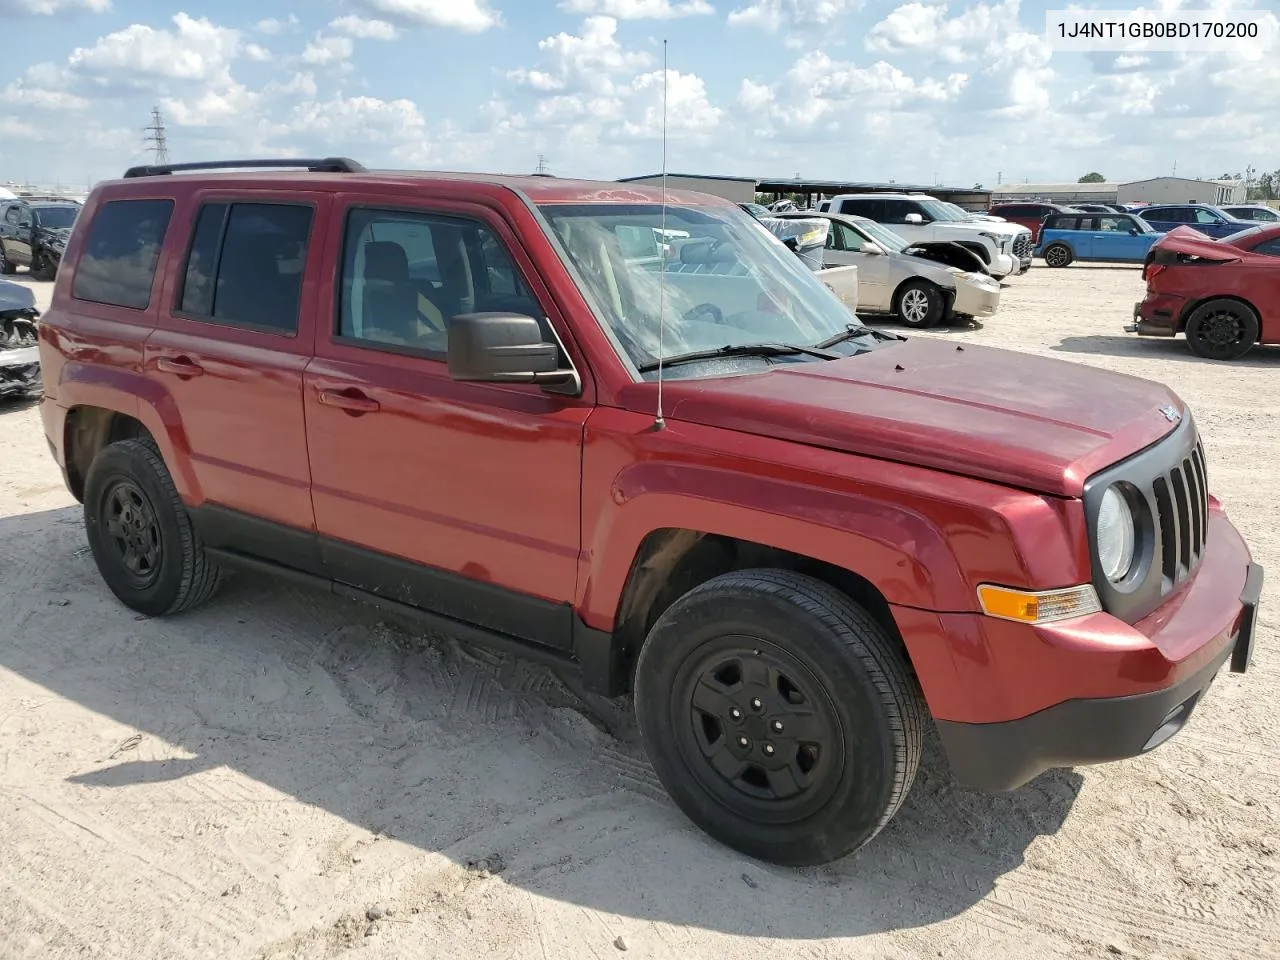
(742, 350)
(852, 332)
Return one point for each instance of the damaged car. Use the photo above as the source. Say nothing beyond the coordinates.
(921, 285)
(19, 350)
(1224, 295)
(34, 233)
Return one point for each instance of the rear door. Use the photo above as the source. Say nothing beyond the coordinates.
(17, 234)
(460, 498)
(1267, 288)
(232, 340)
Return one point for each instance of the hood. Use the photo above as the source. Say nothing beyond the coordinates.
(16, 297)
(1030, 422)
(1190, 242)
(1003, 228)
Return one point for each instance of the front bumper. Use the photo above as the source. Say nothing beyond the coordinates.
(976, 300)
(1004, 756)
(1011, 701)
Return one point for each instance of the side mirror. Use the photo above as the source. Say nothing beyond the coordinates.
(502, 348)
(915, 219)
(873, 248)
(1133, 231)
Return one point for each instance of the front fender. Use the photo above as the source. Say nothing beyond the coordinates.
(131, 393)
(923, 538)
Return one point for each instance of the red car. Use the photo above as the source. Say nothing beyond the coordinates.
(1029, 215)
(492, 404)
(1223, 294)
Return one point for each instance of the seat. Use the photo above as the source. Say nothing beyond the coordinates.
(390, 296)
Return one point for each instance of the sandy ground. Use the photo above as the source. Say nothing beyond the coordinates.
(252, 779)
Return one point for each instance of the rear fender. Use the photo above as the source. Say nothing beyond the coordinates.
(132, 393)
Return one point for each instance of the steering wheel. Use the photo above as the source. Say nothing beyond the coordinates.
(717, 315)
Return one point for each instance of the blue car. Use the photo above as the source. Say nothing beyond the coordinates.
(1211, 221)
(1106, 238)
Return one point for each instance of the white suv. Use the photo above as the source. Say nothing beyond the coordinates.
(1004, 247)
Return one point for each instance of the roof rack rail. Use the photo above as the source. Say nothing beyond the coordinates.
(325, 165)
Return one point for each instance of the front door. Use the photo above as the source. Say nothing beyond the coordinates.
(460, 498)
(873, 269)
(233, 337)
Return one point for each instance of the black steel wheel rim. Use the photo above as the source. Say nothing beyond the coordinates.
(757, 729)
(133, 532)
(1221, 329)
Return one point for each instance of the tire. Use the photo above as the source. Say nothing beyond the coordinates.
(919, 304)
(1058, 255)
(6, 268)
(42, 269)
(1222, 329)
(797, 643)
(171, 573)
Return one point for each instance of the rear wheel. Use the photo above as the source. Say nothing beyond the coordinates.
(140, 534)
(781, 717)
(919, 304)
(6, 267)
(1058, 255)
(1222, 329)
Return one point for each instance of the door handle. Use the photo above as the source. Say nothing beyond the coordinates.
(353, 401)
(182, 366)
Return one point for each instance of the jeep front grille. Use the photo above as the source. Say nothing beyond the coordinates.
(1182, 513)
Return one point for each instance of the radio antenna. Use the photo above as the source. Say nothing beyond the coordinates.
(660, 421)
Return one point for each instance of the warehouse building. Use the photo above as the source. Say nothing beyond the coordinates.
(1183, 190)
(1153, 190)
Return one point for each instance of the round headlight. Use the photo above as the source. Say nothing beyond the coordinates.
(1115, 534)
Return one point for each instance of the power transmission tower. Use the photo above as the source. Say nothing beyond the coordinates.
(542, 165)
(156, 137)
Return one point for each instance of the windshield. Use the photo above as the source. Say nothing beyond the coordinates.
(56, 217)
(883, 236)
(727, 281)
(942, 211)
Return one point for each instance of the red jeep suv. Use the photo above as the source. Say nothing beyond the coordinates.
(629, 432)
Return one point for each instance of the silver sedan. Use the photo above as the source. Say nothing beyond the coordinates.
(920, 291)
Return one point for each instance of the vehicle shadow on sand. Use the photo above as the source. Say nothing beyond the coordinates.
(463, 753)
(1164, 348)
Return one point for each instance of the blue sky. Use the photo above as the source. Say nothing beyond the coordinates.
(957, 92)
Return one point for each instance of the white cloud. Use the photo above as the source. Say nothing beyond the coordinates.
(195, 50)
(755, 96)
(591, 61)
(773, 15)
(468, 16)
(639, 9)
(688, 108)
(257, 52)
(222, 105)
(273, 25)
(19, 94)
(48, 8)
(324, 50)
(363, 29)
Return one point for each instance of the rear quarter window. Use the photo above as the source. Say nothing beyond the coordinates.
(117, 264)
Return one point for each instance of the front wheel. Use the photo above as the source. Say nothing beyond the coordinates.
(6, 266)
(780, 716)
(1222, 329)
(1058, 255)
(920, 304)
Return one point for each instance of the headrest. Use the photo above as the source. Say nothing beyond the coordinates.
(385, 260)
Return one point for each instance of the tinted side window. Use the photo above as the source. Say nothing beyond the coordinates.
(406, 275)
(895, 211)
(118, 265)
(1206, 216)
(11, 215)
(245, 265)
(871, 209)
(1270, 248)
